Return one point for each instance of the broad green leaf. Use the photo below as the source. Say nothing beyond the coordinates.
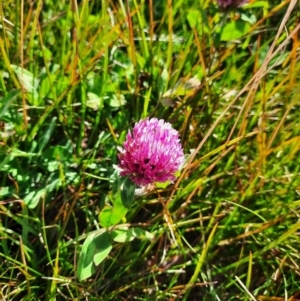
(122, 198)
(119, 208)
(55, 155)
(109, 217)
(234, 30)
(59, 153)
(26, 78)
(7, 101)
(142, 234)
(18, 153)
(106, 217)
(47, 86)
(116, 101)
(32, 199)
(4, 162)
(122, 235)
(72, 176)
(54, 182)
(4, 191)
(119, 211)
(193, 17)
(250, 19)
(103, 245)
(86, 267)
(94, 101)
(61, 84)
(127, 193)
(94, 250)
(128, 234)
(54, 85)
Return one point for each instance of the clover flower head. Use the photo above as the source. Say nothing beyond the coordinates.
(151, 153)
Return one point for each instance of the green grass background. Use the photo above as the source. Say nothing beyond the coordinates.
(76, 75)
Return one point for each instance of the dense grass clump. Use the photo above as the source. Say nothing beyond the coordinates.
(75, 76)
